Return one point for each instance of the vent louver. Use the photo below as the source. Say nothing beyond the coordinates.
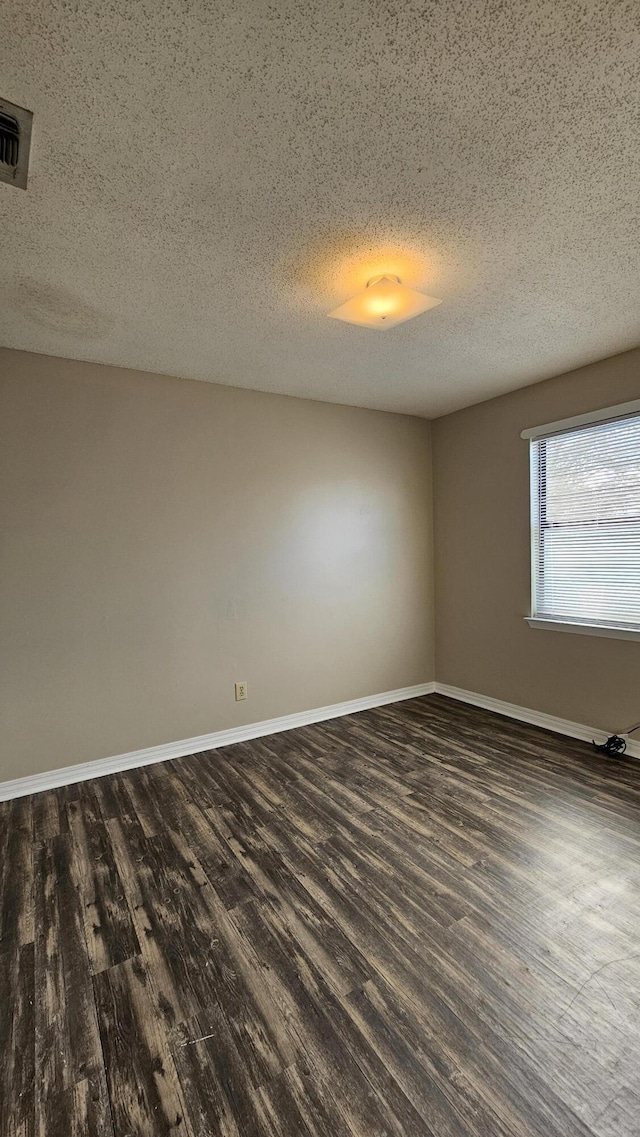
(15, 137)
(9, 140)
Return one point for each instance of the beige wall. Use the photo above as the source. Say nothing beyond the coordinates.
(481, 489)
(163, 538)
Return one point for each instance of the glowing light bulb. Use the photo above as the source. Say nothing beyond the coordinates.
(384, 303)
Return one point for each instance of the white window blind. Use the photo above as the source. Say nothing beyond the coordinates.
(585, 491)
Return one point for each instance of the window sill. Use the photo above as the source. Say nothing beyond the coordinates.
(609, 631)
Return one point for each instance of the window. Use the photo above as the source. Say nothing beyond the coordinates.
(585, 523)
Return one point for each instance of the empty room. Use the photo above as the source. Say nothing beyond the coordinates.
(320, 568)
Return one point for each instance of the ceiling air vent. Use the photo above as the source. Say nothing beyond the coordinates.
(15, 138)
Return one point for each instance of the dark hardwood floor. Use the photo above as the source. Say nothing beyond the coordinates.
(418, 920)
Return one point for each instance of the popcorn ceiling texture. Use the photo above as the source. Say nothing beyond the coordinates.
(208, 180)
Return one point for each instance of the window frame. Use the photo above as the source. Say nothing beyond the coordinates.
(534, 435)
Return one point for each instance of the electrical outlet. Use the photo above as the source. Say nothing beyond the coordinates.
(241, 691)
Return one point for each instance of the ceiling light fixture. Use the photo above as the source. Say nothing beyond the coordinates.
(384, 303)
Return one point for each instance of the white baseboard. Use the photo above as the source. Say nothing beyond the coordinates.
(67, 775)
(534, 718)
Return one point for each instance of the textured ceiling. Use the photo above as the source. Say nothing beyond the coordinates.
(208, 180)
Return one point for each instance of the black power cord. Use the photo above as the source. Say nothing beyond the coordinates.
(615, 745)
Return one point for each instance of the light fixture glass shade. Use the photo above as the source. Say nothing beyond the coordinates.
(384, 303)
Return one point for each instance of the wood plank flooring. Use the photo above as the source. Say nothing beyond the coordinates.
(419, 920)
